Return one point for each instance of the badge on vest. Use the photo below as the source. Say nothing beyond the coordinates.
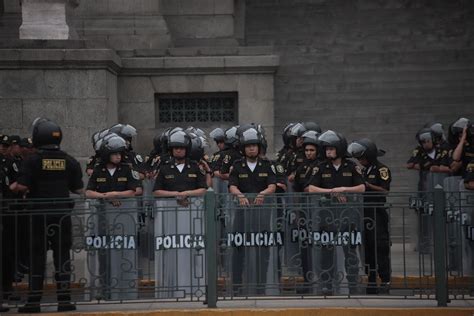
(122, 179)
(101, 180)
(170, 176)
(384, 173)
(347, 174)
(53, 164)
(243, 175)
(263, 174)
(326, 175)
(192, 175)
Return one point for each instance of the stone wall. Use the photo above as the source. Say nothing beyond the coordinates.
(77, 89)
(370, 68)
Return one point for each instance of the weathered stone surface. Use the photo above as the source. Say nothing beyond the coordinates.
(44, 20)
(12, 113)
(86, 113)
(138, 114)
(135, 89)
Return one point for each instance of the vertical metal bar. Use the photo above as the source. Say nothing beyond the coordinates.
(1, 247)
(211, 248)
(440, 246)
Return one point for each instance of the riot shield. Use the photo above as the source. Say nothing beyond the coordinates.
(253, 237)
(454, 229)
(466, 239)
(335, 240)
(111, 245)
(179, 248)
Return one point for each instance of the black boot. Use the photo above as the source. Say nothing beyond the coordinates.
(30, 308)
(66, 307)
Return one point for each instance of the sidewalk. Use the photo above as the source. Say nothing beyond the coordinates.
(278, 306)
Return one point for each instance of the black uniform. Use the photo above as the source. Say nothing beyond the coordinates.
(376, 219)
(467, 157)
(248, 181)
(229, 157)
(50, 175)
(122, 180)
(297, 159)
(252, 181)
(421, 157)
(215, 162)
(326, 176)
(93, 161)
(303, 174)
(171, 179)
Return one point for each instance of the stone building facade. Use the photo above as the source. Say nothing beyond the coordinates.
(377, 68)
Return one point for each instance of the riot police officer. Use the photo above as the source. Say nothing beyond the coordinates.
(112, 179)
(218, 135)
(296, 133)
(181, 177)
(251, 175)
(461, 133)
(50, 174)
(303, 173)
(336, 177)
(469, 178)
(231, 154)
(377, 177)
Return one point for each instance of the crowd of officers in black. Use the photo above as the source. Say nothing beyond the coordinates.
(310, 161)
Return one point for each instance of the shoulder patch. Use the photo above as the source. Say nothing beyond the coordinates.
(273, 168)
(139, 158)
(358, 169)
(315, 170)
(384, 173)
(415, 152)
(280, 168)
(15, 167)
(135, 175)
(226, 159)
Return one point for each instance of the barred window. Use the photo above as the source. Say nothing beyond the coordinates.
(196, 107)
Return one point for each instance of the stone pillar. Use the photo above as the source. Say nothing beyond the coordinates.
(46, 19)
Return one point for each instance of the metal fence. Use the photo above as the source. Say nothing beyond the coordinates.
(211, 248)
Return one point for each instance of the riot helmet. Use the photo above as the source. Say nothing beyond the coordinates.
(312, 126)
(364, 148)
(286, 134)
(217, 134)
(231, 137)
(332, 139)
(46, 134)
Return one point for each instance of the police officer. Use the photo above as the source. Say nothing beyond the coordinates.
(231, 154)
(153, 160)
(335, 177)
(218, 136)
(304, 171)
(50, 174)
(251, 175)
(297, 132)
(181, 177)
(112, 179)
(427, 157)
(438, 134)
(463, 153)
(377, 177)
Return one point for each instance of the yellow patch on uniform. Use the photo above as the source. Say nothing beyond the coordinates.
(347, 174)
(101, 180)
(263, 174)
(358, 169)
(53, 164)
(243, 175)
(469, 154)
(226, 159)
(372, 176)
(170, 176)
(273, 169)
(216, 157)
(326, 175)
(384, 173)
(192, 175)
(122, 179)
(299, 160)
(415, 152)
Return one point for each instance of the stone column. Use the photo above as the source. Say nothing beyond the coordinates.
(46, 19)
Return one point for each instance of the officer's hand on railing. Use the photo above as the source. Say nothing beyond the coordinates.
(243, 201)
(259, 199)
(116, 203)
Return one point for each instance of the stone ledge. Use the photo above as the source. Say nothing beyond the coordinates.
(199, 51)
(60, 58)
(200, 65)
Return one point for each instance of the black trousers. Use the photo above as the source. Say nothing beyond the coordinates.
(50, 232)
(377, 244)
